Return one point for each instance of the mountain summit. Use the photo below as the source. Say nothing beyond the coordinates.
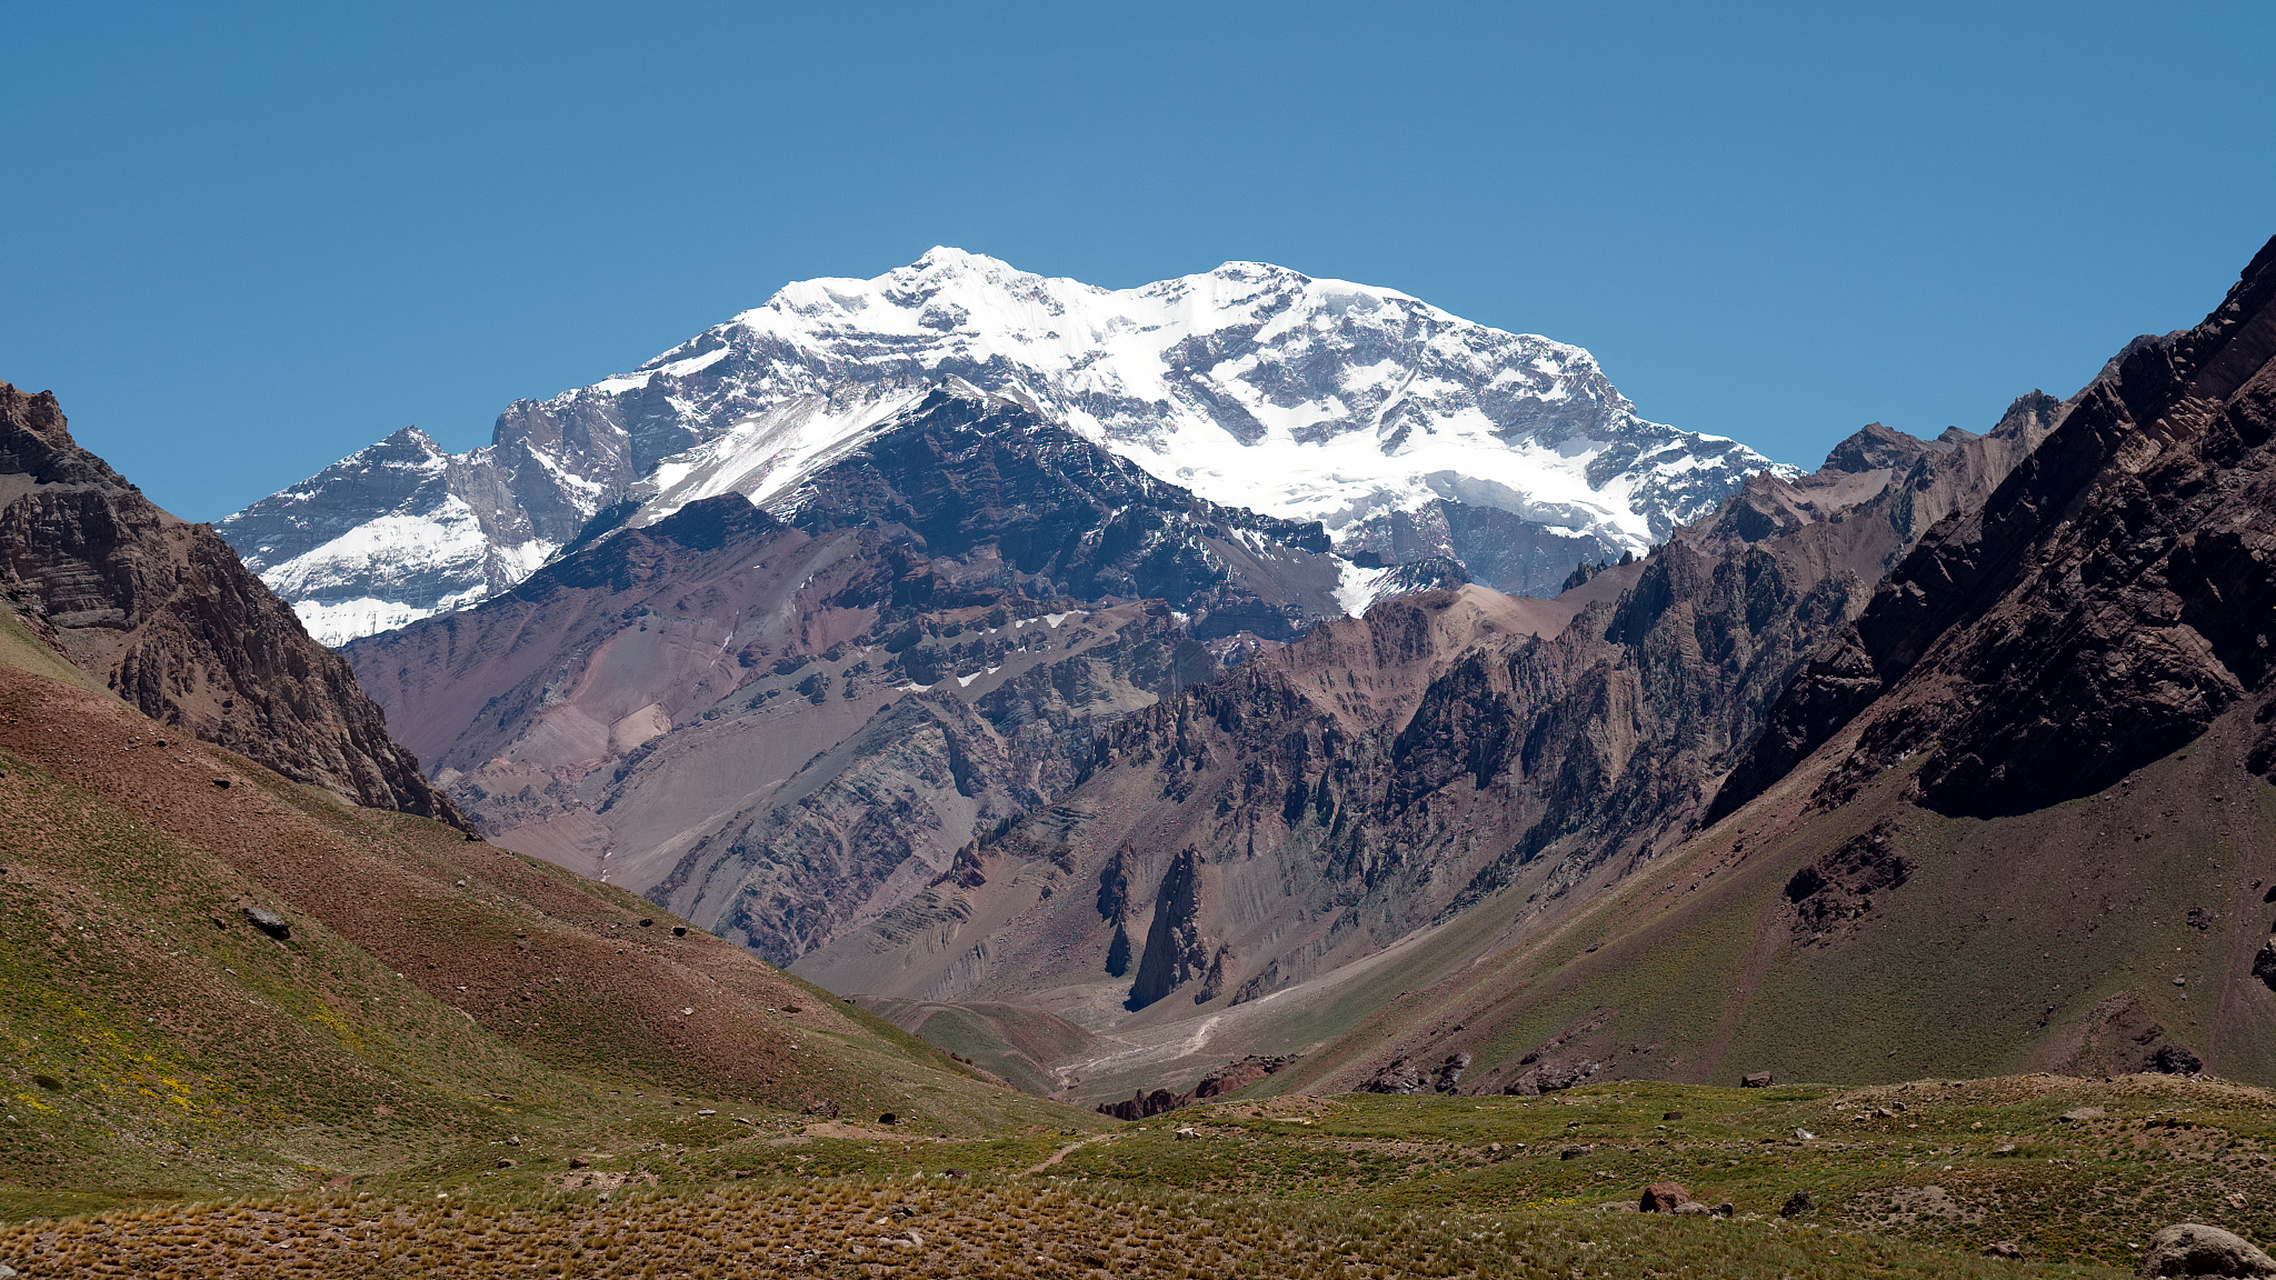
(1407, 432)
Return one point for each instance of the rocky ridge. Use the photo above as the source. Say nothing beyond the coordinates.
(2019, 797)
(163, 613)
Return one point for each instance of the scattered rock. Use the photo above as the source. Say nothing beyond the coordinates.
(643, 924)
(1187, 1133)
(679, 931)
(2080, 1115)
(2193, 1249)
(268, 922)
(1672, 1115)
(1796, 1205)
(579, 1162)
(1548, 1077)
(1224, 1080)
(505, 1162)
(2003, 1249)
(1664, 1197)
(1400, 1075)
(1804, 1135)
(1755, 1080)
(1694, 1208)
(707, 1111)
(2264, 964)
(223, 783)
(822, 1107)
(1573, 1153)
(2173, 1060)
(888, 1118)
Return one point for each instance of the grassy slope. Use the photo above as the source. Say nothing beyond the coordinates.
(436, 996)
(2008, 949)
(1911, 1179)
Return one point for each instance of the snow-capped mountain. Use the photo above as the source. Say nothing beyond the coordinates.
(1406, 431)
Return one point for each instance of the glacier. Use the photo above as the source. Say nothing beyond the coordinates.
(1404, 430)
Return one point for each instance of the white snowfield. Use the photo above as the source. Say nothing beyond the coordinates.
(1252, 385)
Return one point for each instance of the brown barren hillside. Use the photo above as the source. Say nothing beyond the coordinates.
(404, 992)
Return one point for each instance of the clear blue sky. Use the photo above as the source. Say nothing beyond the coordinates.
(241, 241)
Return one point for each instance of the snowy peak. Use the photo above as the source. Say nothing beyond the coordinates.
(1409, 432)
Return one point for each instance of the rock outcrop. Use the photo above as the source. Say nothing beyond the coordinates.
(2099, 610)
(2193, 1249)
(164, 614)
(1230, 1078)
(1175, 950)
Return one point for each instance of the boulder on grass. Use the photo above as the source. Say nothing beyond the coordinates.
(268, 922)
(2193, 1249)
(1664, 1197)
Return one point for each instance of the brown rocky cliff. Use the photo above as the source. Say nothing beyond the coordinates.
(162, 611)
(2101, 608)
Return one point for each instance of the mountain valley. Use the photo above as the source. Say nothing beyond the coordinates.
(896, 711)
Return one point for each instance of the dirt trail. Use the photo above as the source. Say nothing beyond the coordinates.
(1061, 1154)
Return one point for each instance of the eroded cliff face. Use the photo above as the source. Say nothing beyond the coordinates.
(2099, 610)
(2019, 805)
(163, 613)
(1391, 772)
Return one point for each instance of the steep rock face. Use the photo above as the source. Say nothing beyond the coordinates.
(1176, 952)
(2102, 608)
(163, 612)
(1399, 426)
